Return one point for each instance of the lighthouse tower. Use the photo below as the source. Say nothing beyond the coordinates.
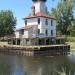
(40, 6)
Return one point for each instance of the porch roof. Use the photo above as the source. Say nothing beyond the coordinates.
(26, 27)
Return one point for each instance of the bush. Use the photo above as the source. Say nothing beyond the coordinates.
(70, 39)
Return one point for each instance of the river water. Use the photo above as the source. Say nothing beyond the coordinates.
(22, 65)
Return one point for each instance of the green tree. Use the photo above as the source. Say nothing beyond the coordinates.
(64, 16)
(72, 29)
(7, 23)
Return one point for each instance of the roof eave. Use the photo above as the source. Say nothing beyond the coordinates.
(39, 16)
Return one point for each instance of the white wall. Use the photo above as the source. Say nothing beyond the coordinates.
(25, 34)
(29, 33)
(43, 27)
(32, 21)
(17, 34)
(40, 7)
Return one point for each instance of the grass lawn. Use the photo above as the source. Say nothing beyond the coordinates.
(72, 45)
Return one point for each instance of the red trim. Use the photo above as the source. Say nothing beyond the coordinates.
(40, 14)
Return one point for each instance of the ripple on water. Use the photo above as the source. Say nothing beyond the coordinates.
(22, 65)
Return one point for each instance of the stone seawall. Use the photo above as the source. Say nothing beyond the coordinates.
(36, 51)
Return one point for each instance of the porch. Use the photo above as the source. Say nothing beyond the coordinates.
(37, 41)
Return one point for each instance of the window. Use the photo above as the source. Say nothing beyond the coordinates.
(25, 22)
(38, 20)
(33, 10)
(38, 31)
(22, 31)
(51, 32)
(46, 22)
(51, 22)
(46, 32)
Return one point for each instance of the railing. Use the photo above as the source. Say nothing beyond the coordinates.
(60, 36)
(37, 36)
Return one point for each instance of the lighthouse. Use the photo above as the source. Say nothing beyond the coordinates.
(38, 27)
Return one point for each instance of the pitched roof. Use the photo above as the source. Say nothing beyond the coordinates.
(26, 27)
(40, 14)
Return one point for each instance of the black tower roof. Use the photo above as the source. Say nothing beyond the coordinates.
(39, 0)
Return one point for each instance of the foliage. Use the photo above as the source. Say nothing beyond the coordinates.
(72, 45)
(7, 23)
(65, 17)
(70, 39)
(66, 69)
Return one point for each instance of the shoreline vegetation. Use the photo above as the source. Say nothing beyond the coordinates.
(71, 41)
(72, 45)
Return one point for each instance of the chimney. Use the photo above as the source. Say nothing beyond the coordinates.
(33, 10)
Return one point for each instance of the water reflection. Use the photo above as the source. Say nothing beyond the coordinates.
(21, 65)
(5, 66)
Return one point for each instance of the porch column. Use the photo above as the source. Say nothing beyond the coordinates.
(36, 41)
(45, 40)
(16, 41)
(49, 41)
(55, 40)
(11, 42)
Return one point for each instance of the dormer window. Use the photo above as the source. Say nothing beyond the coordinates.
(38, 20)
(46, 22)
(25, 22)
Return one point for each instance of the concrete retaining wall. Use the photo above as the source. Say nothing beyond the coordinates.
(42, 51)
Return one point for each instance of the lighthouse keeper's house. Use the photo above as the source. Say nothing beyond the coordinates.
(39, 27)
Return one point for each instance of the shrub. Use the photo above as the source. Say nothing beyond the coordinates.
(70, 39)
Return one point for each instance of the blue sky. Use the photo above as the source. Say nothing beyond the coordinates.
(22, 8)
